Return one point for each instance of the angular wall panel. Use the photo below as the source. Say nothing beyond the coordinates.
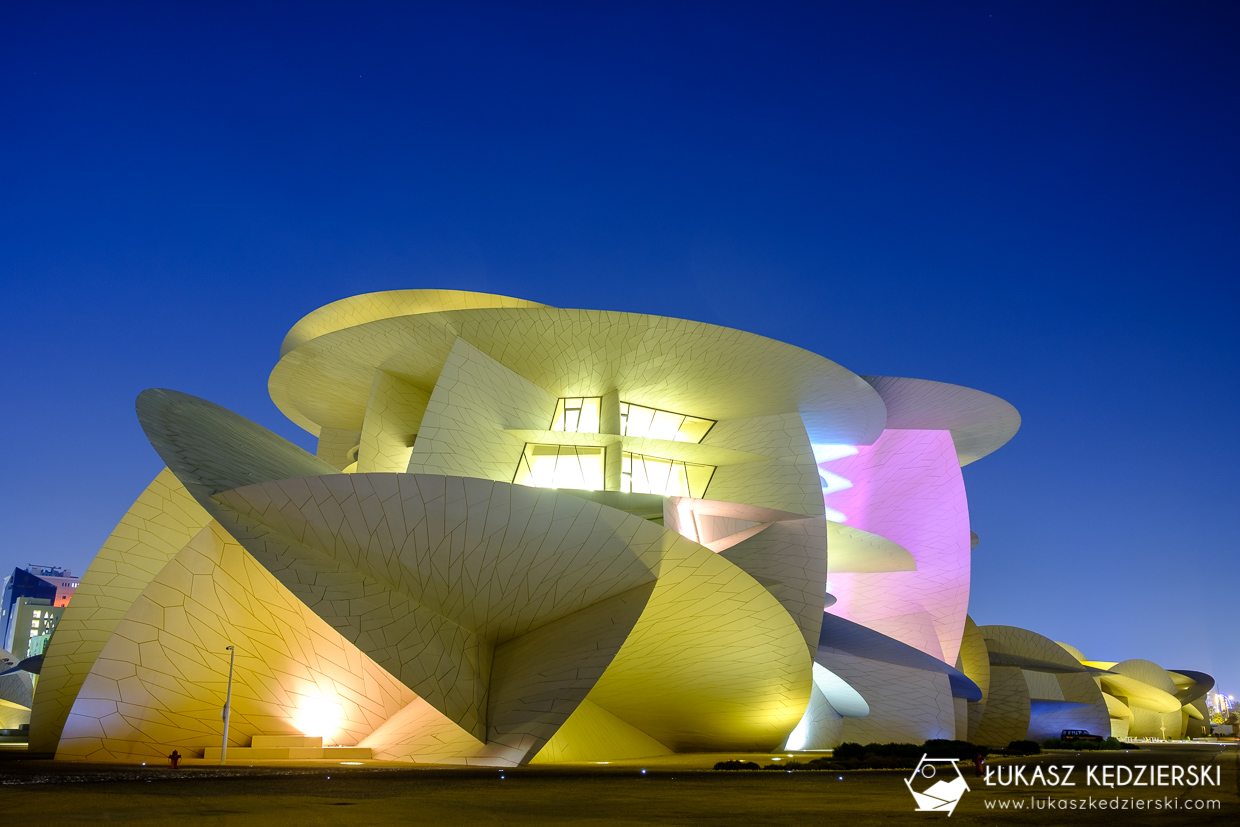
(787, 482)
(477, 565)
(420, 733)
(592, 734)
(789, 558)
(724, 659)
(1007, 711)
(907, 705)
(821, 727)
(338, 447)
(974, 661)
(475, 400)
(538, 679)
(393, 418)
(831, 701)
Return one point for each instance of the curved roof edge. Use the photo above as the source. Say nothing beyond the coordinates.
(386, 304)
(1033, 664)
(211, 449)
(1201, 686)
(325, 379)
(980, 423)
(1073, 651)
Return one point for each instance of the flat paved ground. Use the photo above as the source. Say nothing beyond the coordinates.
(60, 793)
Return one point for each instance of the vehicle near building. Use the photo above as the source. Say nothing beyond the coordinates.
(1078, 735)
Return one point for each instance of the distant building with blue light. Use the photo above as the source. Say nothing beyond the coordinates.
(43, 589)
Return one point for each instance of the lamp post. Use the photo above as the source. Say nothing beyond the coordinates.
(227, 703)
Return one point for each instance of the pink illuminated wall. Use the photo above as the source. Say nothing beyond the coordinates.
(906, 487)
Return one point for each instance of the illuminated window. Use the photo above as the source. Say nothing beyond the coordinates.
(577, 415)
(561, 466)
(641, 474)
(38, 614)
(636, 420)
(34, 624)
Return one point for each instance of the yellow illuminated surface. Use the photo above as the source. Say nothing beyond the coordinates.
(561, 466)
(650, 423)
(369, 307)
(577, 415)
(642, 474)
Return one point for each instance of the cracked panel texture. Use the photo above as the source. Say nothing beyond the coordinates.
(158, 525)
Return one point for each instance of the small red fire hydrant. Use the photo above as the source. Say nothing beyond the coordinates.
(174, 759)
(978, 763)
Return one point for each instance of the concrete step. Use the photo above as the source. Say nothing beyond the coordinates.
(286, 741)
(289, 753)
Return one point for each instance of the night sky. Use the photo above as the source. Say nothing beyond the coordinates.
(1038, 199)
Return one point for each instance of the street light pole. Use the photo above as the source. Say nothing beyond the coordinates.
(227, 703)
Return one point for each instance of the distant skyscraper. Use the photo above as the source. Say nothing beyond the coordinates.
(47, 589)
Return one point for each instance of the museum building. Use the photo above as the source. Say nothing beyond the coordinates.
(534, 534)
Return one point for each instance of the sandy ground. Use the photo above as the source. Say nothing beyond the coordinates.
(675, 791)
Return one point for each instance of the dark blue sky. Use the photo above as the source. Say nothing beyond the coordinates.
(1036, 199)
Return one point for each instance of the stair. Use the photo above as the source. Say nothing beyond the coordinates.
(288, 748)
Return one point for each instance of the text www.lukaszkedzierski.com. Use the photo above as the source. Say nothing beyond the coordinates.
(1091, 803)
